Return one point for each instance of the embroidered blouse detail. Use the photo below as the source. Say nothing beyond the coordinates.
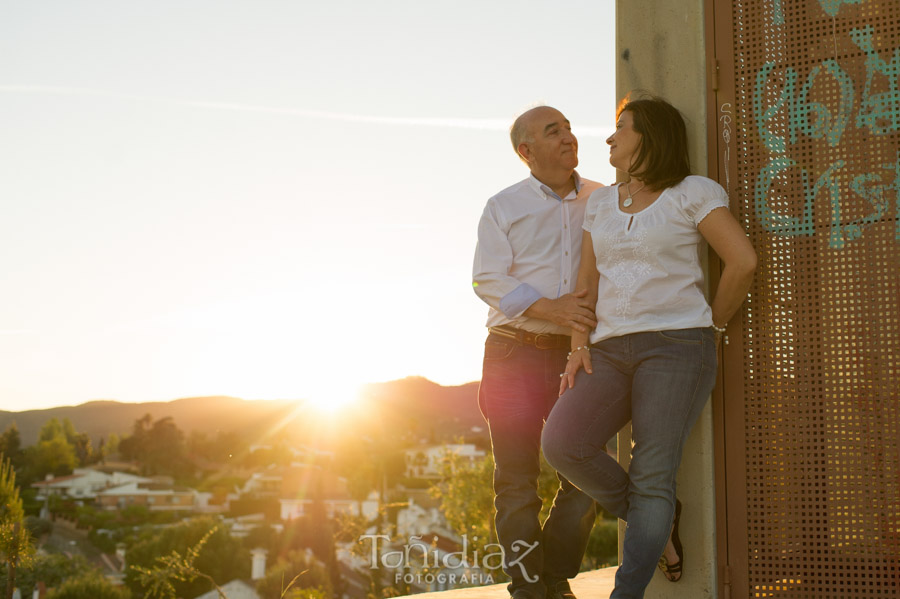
(649, 262)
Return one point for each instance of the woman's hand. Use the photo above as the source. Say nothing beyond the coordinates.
(579, 358)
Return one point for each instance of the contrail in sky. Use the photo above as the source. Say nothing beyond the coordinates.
(453, 123)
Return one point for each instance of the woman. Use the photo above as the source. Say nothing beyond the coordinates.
(652, 357)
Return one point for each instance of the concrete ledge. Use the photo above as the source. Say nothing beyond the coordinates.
(587, 585)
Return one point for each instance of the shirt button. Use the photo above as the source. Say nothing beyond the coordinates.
(567, 253)
(566, 281)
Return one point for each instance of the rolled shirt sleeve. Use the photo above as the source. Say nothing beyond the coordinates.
(490, 272)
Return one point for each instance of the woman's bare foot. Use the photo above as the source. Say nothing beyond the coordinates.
(672, 569)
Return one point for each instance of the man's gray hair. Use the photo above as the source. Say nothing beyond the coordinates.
(519, 133)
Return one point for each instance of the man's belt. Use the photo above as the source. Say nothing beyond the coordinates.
(538, 340)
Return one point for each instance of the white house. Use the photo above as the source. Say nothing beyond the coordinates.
(83, 483)
(416, 520)
(296, 508)
(156, 497)
(425, 462)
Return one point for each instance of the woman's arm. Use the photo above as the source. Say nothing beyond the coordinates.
(588, 279)
(725, 235)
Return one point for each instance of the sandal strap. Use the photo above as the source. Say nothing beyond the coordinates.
(666, 567)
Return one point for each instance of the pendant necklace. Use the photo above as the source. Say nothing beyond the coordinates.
(628, 201)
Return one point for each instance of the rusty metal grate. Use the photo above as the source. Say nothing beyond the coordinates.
(815, 145)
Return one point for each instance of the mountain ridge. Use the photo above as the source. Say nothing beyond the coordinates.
(448, 409)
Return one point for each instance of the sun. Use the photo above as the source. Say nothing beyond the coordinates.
(335, 399)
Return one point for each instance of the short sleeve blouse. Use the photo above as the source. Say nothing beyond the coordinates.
(649, 262)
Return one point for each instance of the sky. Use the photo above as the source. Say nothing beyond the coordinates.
(267, 199)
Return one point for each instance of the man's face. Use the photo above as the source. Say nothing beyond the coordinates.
(552, 144)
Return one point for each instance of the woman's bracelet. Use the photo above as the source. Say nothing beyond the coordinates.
(720, 330)
(577, 349)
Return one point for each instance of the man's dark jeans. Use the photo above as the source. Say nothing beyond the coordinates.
(519, 386)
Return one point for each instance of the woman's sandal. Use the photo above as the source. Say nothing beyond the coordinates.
(672, 572)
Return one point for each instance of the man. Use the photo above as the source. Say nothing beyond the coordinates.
(526, 263)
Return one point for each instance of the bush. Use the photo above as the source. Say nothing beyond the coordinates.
(306, 576)
(603, 544)
(220, 556)
(91, 584)
(38, 527)
(51, 569)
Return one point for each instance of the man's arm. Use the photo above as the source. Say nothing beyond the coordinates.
(493, 284)
(572, 310)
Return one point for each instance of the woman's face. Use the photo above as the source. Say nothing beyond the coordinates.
(624, 143)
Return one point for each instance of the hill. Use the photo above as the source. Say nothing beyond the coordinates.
(413, 405)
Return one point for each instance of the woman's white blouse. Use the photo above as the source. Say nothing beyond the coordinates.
(649, 262)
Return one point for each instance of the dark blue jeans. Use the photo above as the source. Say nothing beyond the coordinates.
(660, 381)
(519, 385)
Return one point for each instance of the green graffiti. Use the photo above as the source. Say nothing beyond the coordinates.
(772, 142)
(782, 224)
(832, 7)
(865, 186)
(825, 125)
(896, 166)
(813, 119)
(784, 112)
(880, 113)
(778, 17)
(870, 187)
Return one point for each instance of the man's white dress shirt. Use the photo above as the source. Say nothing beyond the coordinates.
(529, 246)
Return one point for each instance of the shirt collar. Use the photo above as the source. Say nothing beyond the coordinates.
(549, 193)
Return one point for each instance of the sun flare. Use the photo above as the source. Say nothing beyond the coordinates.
(335, 399)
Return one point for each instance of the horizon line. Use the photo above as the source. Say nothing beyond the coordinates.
(219, 395)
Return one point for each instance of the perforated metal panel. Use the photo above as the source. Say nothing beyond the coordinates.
(809, 148)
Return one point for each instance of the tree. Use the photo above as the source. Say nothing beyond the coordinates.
(133, 446)
(159, 581)
(52, 429)
(53, 453)
(225, 447)
(158, 446)
(264, 537)
(52, 456)
(112, 444)
(11, 446)
(467, 499)
(14, 538)
(80, 442)
(295, 574)
(84, 451)
(603, 544)
(219, 557)
(38, 527)
(90, 584)
(52, 569)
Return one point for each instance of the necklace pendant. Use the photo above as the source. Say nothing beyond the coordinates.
(627, 202)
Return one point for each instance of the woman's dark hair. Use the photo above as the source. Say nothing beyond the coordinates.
(662, 158)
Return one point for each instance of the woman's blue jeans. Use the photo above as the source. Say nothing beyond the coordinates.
(660, 381)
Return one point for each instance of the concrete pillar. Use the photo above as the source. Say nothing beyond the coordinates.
(661, 49)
